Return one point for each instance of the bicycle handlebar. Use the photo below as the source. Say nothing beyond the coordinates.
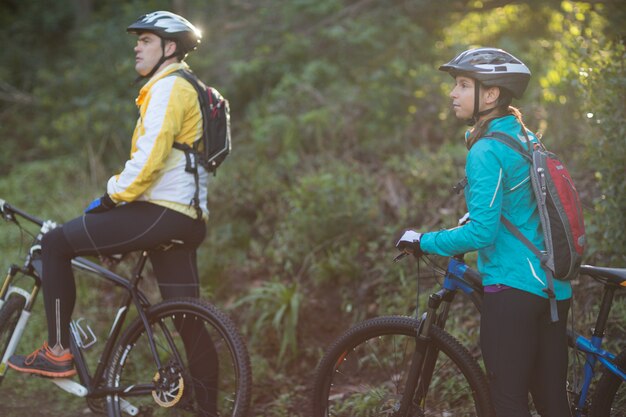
(7, 211)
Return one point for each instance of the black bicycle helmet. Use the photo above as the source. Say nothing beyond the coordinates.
(169, 26)
(493, 68)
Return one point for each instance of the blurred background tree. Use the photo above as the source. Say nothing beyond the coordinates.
(342, 138)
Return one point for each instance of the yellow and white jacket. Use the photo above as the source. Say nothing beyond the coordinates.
(168, 112)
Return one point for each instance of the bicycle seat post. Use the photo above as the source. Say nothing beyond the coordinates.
(141, 263)
(603, 314)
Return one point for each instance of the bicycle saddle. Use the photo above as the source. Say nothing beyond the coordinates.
(613, 275)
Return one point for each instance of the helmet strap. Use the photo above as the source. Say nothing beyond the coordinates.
(475, 115)
(478, 114)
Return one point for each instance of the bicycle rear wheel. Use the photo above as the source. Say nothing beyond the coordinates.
(609, 399)
(365, 371)
(9, 315)
(214, 378)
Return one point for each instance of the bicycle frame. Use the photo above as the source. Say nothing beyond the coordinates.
(90, 386)
(133, 295)
(592, 346)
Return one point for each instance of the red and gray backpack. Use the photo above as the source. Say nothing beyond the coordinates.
(560, 212)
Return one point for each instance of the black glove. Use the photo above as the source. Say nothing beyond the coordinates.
(100, 205)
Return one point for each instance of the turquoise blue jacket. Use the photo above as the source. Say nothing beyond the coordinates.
(499, 183)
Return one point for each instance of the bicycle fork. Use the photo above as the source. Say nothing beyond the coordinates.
(425, 355)
(5, 292)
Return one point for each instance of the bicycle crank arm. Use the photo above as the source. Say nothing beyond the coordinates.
(77, 389)
(128, 408)
(70, 386)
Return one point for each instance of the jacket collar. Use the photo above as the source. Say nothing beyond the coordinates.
(156, 77)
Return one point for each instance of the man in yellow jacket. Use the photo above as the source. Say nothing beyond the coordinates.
(149, 203)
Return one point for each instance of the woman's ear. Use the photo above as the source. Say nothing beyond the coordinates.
(491, 95)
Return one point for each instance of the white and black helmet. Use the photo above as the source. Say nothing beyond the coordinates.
(169, 26)
(492, 67)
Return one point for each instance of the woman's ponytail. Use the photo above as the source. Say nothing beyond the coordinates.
(481, 127)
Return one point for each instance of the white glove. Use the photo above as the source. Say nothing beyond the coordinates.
(409, 242)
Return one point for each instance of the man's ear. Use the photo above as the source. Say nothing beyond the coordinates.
(491, 95)
(170, 48)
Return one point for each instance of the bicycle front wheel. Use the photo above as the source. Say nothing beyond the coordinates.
(9, 315)
(364, 374)
(609, 399)
(205, 365)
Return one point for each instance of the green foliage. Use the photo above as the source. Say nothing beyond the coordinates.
(603, 83)
(324, 212)
(274, 310)
(41, 188)
(342, 137)
(420, 185)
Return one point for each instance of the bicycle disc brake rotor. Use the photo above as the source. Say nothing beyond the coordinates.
(169, 386)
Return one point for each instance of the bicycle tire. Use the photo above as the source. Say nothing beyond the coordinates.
(364, 371)
(9, 315)
(609, 398)
(224, 390)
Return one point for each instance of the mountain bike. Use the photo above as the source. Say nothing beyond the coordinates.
(404, 367)
(178, 357)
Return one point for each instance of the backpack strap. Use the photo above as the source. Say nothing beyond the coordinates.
(201, 89)
(191, 166)
(513, 143)
(191, 153)
(543, 258)
(516, 232)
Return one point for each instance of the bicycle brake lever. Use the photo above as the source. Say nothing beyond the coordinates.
(6, 215)
(400, 256)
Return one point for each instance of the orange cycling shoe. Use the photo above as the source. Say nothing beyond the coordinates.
(44, 363)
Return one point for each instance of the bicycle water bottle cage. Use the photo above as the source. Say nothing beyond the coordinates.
(83, 340)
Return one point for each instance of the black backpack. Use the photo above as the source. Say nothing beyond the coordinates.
(214, 146)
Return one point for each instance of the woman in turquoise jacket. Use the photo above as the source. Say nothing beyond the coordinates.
(523, 350)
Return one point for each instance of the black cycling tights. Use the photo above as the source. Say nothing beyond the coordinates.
(130, 227)
(525, 352)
